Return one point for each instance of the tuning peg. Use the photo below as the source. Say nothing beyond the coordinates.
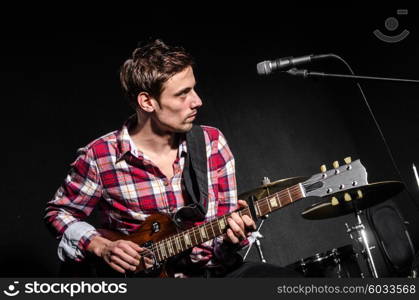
(347, 197)
(348, 160)
(335, 164)
(360, 194)
(335, 201)
(323, 168)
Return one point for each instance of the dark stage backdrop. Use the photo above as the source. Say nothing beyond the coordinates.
(60, 84)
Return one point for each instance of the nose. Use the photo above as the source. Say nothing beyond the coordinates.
(196, 101)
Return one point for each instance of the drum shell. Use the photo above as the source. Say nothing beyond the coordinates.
(336, 263)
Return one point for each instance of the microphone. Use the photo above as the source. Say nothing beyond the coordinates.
(268, 66)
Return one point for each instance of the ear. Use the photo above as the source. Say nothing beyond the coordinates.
(146, 102)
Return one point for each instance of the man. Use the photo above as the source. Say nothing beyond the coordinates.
(137, 171)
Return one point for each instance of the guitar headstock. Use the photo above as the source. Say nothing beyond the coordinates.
(349, 175)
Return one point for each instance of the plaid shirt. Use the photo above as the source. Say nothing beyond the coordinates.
(112, 173)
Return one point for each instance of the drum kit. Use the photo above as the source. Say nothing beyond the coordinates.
(342, 262)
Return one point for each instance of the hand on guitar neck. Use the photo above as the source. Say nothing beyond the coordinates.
(240, 227)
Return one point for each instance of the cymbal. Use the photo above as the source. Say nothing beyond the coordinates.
(339, 204)
(273, 187)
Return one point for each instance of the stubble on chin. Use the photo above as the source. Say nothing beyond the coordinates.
(185, 128)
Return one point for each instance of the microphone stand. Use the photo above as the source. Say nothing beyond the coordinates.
(307, 73)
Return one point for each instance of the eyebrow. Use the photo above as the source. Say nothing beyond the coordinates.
(185, 90)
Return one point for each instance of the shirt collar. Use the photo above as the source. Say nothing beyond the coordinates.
(127, 145)
(124, 141)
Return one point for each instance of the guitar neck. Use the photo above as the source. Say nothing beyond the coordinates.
(278, 200)
(192, 237)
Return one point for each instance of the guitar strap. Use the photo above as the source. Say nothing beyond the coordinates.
(195, 178)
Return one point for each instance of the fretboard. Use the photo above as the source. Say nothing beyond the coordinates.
(197, 235)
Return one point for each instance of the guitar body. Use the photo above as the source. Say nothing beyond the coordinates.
(155, 228)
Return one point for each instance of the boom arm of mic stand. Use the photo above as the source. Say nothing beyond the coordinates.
(306, 74)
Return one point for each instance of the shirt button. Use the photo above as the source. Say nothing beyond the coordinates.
(165, 182)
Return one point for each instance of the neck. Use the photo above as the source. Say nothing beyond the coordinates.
(151, 138)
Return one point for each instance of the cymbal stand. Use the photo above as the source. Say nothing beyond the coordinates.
(415, 172)
(362, 239)
(255, 236)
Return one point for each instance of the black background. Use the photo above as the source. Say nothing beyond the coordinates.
(60, 90)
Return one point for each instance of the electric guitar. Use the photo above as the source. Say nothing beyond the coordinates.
(164, 240)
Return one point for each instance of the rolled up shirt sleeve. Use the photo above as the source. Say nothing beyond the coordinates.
(71, 204)
(75, 240)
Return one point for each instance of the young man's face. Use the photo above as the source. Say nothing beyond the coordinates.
(178, 103)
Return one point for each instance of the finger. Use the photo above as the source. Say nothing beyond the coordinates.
(242, 203)
(146, 263)
(232, 237)
(120, 253)
(248, 222)
(238, 232)
(123, 264)
(116, 267)
(236, 218)
(135, 246)
(130, 251)
(149, 261)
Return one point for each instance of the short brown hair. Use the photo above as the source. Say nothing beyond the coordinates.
(149, 67)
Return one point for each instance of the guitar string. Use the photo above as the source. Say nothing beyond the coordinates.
(295, 193)
(261, 204)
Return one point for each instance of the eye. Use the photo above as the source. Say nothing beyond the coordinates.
(183, 93)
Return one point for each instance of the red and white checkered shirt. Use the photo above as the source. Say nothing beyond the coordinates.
(112, 173)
